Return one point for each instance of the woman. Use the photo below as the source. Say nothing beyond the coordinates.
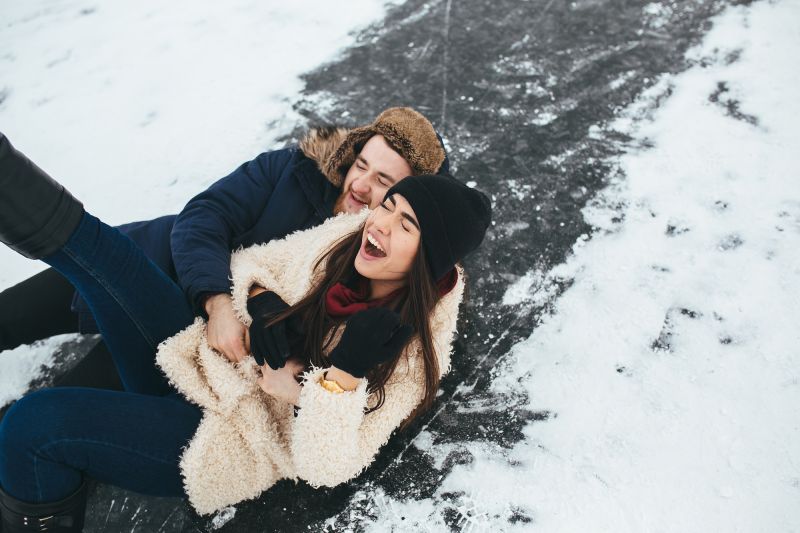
(355, 302)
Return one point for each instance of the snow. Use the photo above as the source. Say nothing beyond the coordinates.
(222, 517)
(138, 106)
(18, 367)
(670, 365)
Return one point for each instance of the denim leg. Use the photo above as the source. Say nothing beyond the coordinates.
(51, 438)
(136, 305)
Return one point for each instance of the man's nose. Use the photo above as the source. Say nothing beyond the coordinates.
(361, 185)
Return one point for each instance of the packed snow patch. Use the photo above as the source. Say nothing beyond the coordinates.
(671, 362)
(222, 517)
(20, 366)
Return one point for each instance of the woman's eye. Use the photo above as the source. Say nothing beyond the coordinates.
(384, 182)
(385, 207)
(359, 166)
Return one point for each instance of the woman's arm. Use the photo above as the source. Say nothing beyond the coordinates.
(256, 290)
(345, 380)
(333, 440)
(282, 384)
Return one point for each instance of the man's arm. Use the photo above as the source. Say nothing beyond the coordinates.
(205, 230)
(204, 234)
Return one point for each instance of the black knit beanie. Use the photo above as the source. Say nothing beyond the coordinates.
(453, 218)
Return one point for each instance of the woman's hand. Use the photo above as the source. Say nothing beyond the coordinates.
(268, 345)
(370, 338)
(282, 383)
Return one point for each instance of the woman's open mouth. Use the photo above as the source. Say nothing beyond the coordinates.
(373, 248)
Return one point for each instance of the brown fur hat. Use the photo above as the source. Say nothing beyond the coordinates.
(407, 131)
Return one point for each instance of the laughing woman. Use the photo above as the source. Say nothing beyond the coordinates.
(350, 328)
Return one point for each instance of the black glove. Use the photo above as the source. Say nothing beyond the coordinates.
(268, 342)
(370, 338)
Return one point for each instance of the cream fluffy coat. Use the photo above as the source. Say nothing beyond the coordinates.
(247, 440)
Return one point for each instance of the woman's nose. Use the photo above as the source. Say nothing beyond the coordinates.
(383, 223)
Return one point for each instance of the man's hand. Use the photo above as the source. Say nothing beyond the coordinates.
(226, 333)
(282, 383)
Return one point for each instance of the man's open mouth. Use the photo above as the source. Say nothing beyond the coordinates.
(357, 199)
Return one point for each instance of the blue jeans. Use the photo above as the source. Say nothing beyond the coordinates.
(51, 438)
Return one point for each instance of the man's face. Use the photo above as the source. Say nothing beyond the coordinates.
(376, 168)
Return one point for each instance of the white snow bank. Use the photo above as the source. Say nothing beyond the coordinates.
(672, 362)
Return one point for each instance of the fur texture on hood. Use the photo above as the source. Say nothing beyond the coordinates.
(321, 144)
(248, 440)
(407, 131)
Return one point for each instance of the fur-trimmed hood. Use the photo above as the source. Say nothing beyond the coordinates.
(320, 144)
(408, 132)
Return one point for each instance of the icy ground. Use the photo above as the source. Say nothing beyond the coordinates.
(666, 373)
(671, 364)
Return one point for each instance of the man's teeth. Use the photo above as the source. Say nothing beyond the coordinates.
(374, 242)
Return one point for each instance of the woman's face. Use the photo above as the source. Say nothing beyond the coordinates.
(389, 244)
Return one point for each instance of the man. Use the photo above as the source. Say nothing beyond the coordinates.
(332, 170)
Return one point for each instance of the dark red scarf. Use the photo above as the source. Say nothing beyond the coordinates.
(343, 301)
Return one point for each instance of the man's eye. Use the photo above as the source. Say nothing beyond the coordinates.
(383, 181)
(359, 166)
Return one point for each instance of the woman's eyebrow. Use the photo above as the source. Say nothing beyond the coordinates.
(411, 219)
(405, 215)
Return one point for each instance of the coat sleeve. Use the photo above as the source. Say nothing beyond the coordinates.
(204, 232)
(201, 374)
(286, 266)
(261, 265)
(333, 440)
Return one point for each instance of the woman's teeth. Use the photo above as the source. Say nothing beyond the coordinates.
(375, 243)
(373, 248)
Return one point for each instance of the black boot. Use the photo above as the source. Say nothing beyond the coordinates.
(64, 516)
(37, 214)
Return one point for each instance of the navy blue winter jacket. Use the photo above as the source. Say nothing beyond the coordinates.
(267, 198)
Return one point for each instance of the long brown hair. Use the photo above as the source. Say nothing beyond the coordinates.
(414, 304)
